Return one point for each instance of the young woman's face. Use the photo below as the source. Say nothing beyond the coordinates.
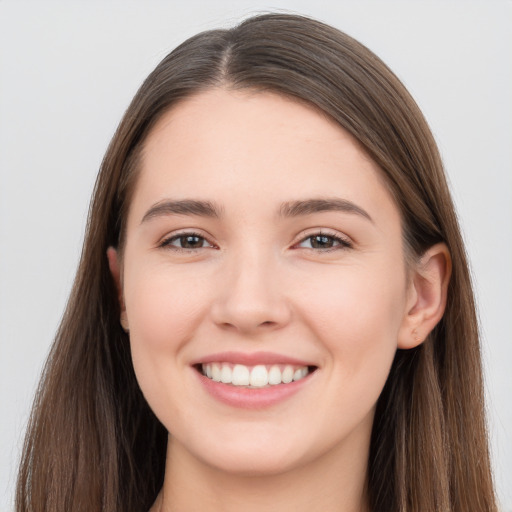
(262, 246)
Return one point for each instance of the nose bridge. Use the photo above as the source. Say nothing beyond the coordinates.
(250, 296)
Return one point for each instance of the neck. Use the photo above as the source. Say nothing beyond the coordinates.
(333, 483)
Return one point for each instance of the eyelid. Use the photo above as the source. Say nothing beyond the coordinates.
(165, 242)
(345, 242)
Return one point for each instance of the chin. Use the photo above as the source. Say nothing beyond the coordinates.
(250, 455)
(254, 464)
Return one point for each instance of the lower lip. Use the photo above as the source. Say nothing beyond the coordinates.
(251, 398)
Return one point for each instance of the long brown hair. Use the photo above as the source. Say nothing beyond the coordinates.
(93, 444)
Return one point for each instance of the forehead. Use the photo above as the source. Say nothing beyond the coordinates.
(256, 147)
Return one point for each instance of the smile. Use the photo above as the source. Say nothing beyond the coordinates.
(257, 376)
(253, 380)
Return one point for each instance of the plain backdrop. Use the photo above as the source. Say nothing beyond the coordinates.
(69, 69)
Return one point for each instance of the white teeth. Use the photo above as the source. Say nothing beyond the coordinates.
(300, 373)
(274, 376)
(216, 372)
(240, 375)
(226, 374)
(287, 374)
(257, 376)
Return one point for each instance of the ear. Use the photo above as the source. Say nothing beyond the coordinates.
(114, 264)
(427, 292)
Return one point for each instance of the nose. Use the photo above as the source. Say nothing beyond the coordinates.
(251, 297)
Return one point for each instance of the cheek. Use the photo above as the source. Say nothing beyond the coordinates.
(163, 310)
(354, 304)
(161, 304)
(357, 318)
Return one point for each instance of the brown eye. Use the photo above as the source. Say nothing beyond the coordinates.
(186, 241)
(190, 241)
(324, 242)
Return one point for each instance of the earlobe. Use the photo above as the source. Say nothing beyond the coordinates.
(427, 296)
(115, 269)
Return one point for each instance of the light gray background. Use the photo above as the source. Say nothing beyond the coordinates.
(68, 71)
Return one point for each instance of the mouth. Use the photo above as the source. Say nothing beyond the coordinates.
(253, 380)
(256, 376)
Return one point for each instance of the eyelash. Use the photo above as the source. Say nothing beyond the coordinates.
(167, 243)
(342, 242)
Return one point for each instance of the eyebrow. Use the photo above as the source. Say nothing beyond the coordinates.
(183, 207)
(289, 209)
(310, 206)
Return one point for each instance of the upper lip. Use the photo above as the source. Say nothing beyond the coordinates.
(251, 359)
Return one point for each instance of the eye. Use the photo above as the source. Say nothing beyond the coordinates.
(324, 242)
(186, 242)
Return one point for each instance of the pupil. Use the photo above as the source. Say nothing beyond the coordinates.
(191, 242)
(321, 242)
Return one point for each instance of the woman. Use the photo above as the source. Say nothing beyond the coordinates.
(273, 307)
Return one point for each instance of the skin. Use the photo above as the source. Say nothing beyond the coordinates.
(256, 282)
